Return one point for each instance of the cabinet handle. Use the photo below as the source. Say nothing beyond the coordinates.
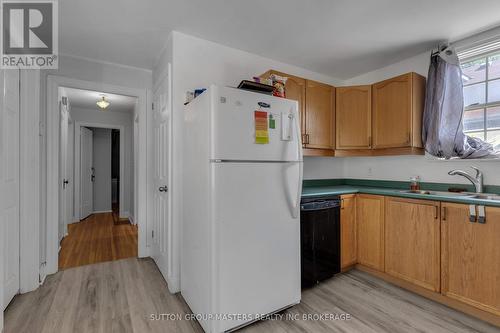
(443, 217)
(408, 138)
(370, 141)
(472, 214)
(436, 213)
(307, 138)
(342, 203)
(481, 214)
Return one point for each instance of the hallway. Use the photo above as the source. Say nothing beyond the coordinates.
(97, 239)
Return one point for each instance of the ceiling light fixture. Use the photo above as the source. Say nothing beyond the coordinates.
(103, 103)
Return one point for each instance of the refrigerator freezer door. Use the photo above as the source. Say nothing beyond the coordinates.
(256, 239)
(234, 127)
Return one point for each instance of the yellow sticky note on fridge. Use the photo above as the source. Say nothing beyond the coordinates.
(261, 130)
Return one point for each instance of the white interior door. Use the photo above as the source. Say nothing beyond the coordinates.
(64, 177)
(86, 173)
(9, 181)
(161, 227)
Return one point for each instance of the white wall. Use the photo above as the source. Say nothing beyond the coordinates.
(428, 168)
(114, 118)
(102, 166)
(323, 167)
(418, 64)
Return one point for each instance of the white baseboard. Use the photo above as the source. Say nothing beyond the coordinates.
(131, 219)
(42, 275)
(173, 284)
(101, 211)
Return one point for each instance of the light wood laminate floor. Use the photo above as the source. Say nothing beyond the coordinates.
(120, 296)
(97, 239)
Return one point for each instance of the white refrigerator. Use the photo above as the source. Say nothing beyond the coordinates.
(242, 169)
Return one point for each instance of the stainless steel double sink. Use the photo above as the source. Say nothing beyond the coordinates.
(482, 196)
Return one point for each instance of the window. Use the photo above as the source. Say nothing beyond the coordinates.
(481, 80)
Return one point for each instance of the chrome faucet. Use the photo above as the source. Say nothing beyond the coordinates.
(476, 181)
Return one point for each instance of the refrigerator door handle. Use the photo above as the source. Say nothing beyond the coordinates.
(296, 209)
(299, 138)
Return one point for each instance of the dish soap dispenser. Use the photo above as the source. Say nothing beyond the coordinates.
(415, 183)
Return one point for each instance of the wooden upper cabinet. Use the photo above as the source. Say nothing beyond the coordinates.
(348, 231)
(317, 112)
(412, 241)
(353, 117)
(398, 105)
(320, 115)
(295, 89)
(370, 228)
(470, 253)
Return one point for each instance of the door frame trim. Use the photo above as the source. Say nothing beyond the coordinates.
(29, 181)
(76, 181)
(53, 144)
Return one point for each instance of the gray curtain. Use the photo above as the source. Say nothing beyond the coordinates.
(442, 131)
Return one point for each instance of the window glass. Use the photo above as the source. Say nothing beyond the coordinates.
(474, 120)
(493, 91)
(493, 118)
(494, 66)
(474, 71)
(494, 138)
(481, 80)
(474, 94)
(479, 135)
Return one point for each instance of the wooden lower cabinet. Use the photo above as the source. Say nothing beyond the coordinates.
(412, 241)
(370, 228)
(348, 232)
(470, 254)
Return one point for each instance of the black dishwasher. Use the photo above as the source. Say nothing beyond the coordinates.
(320, 239)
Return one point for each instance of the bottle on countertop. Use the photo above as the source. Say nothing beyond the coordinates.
(415, 183)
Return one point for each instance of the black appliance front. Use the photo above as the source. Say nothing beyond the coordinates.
(320, 239)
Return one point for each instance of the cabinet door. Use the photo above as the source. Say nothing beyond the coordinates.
(320, 115)
(295, 89)
(412, 241)
(370, 223)
(348, 241)
(392, 105)
(471, 257)
(353, 117)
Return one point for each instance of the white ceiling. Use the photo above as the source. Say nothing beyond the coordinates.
(87, 99)
(340, 38)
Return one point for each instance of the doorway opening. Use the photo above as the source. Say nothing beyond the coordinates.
(97, 197)
(115, 178)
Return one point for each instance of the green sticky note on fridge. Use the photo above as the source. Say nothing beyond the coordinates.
(272, 122)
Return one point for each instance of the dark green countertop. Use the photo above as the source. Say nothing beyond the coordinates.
(335, 187)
